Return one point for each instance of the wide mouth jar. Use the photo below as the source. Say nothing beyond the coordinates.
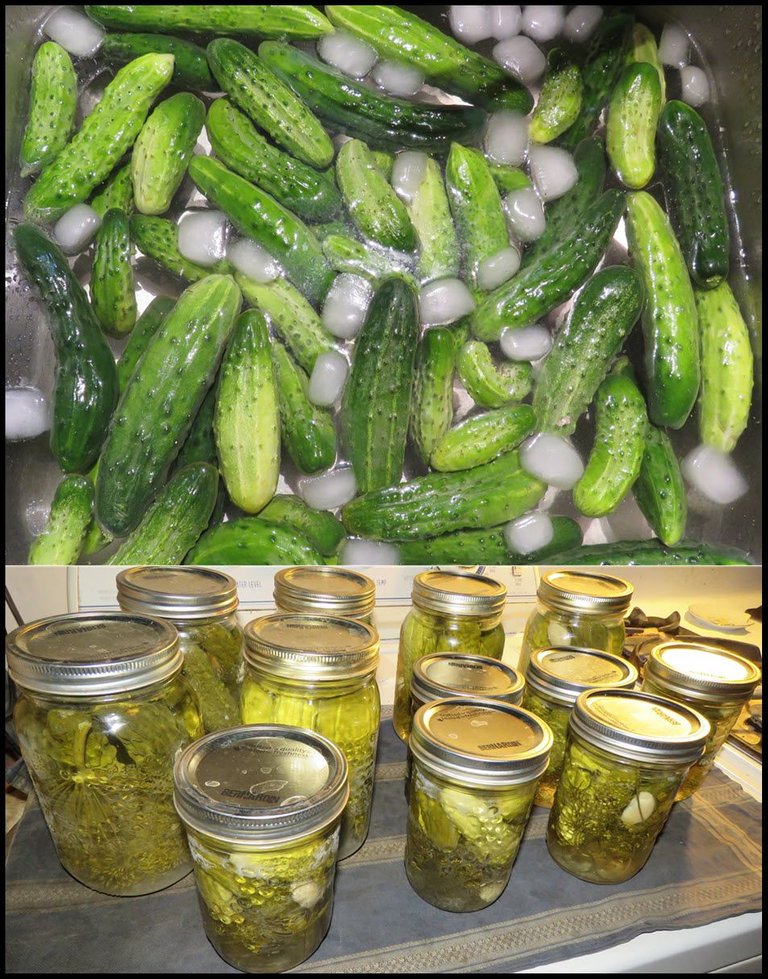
(325, 590)
(701, 673)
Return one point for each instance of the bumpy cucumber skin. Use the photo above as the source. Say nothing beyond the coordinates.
(483, 437)
(430, 213)
(113, 292)
(694, 193)
(85, 386)
(117, 192)
(62, 540)
(559, 100)
(158, 239)
(259, 216)
(175, 519)
(200, 443)
(508, 179)
(105, 135)
(163, 149)
(432, 412)
(247, 417)
(378, 396)
(313, 196)
(161, 399)
(190, 63)
(146, 326)
(659, 489)
(492, 385)
(636, 552)
(598, 324)
(323, 531)
(633, 115)
(644, 49)
(269, 20)
(349, 255)
(670, 321)
(251, 540)
(308, 432)
(52, 107)
(476, 206)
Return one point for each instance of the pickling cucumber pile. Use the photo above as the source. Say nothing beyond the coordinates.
(398, 296)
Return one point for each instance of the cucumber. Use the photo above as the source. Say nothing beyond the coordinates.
(52, 107)
(508, 179)
(440, 503)
(251, 540)
(311, 195)
(659, 489)
(348, 255)
(308, 432)
(694, 193)
(95, 539)
(430, 214)
(492, 385)
(432, 412)
(190, 62)
(669, 319)
(376, 405)
(158, 239)
(599, 322)
(113, 291)
(643, 48)
(385, 162)
(174, 520)
(481, 438)
(161, 400)
(269, 102)
(257, 215)
(200, 443)
(267, 20)
(375, 208)
(163, 149)
(102, 140)
(117, 192)
(247, 418)
(323, 531)
(559, 100)
(634, 552)
(146, 326)
(633, 115)
(85, 383)
(553, 277)
(71, 510)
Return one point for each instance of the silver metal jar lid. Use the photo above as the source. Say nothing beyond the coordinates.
(260, 784)
(585, 592)
(458, 593)
(311, 647)
(332, 590)
(562, 673)
(92, 653)
(640, 726)
(442, 675)
(701, 672)
(179, 594)
(477, 741)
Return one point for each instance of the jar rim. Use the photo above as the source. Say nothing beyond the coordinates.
(701, 672)
(461, 593)
(330, 589)
(441, 674)
(562, 673)
(587, 592)
(180, 594)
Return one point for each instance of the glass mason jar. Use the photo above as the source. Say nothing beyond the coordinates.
(556, 677)
(319, 672)
(716, 682)
(325, 591)
(476, 764)
(577, 608)
(452, 612)
(202, 604)
(102, 712)
(626, 755)
(261, 805)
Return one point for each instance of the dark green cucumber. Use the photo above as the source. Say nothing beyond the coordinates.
(652, 551)
(599, 322)
(257, 215)
(432, 412)
(376, 405)
(52, 107)
(509, 179)
(158, 239)
(430, 213)
(559, 100)
(190, 62)
(251, 540)
(70, 517)
(492, 385)
(360, 258)
(480, 438)
(161, 400)
(117, 192)
(146, 326)
(308, 432)
(200, 443)
(659, 489)
(265, 20)
(95, 539)
(85, 384)
(113, 291)
(644, 49)
(174, 520)
(323, 531)
(694, 193)
(631, 128)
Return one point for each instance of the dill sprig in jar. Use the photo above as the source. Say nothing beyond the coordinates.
(325, 591)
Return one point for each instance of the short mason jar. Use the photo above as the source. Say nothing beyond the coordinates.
(102, 711)
(627, 754)
(325, 591)
(716, 682)
(556, 678)
(462, 674)
(261, 805)
(452, 612)
(577, 608)
(319, 672)
(202, 604)
(476, 764)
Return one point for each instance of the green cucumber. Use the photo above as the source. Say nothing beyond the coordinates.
(251, 540)
(376, 405)
(113, 292)
(385, 162)
(480, 438)
(117, 192)
(633, 552)
(190, 62)
(102, 140)
(492, 385)
(200, 443)
(308, 432)
(52, 107)
(659, 489)
(266, 20)
(633, 115)
(68, 521)
(644, 49)
(146, 326)
(432, 412)
(95, 539)
(323, 531)
(559, 100)
(509, 179)
(476, 207)
(430, 213)
(158, 239)
(85, 384)
(348, 255)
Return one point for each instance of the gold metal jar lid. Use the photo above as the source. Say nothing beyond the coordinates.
(562, 673)
(441, 675)
(331, 590)
(178, 594)
(585, 592)
(92, 653)
(311, 647)
(698, 671)
(458, 593)
(476, 741)
(260, 784)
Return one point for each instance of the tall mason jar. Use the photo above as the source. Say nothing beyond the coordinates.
(476, 764)
(556, 678)
(627, 754)
(261, 805)
(202, 604)
(577, 608)
(717, 683)
(452, 612)
(325, 591)
(319, 672)
(102, 712)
